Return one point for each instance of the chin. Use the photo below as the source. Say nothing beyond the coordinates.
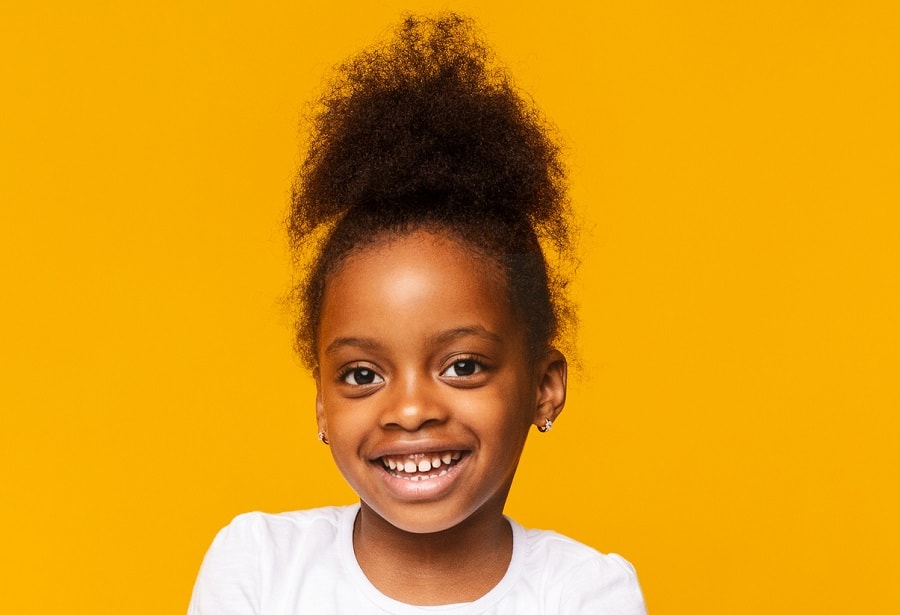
(418, 520)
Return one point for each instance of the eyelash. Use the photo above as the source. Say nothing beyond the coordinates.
(478, 367)
(355, 370)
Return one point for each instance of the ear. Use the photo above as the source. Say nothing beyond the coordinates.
(320, 405)
(551, 391)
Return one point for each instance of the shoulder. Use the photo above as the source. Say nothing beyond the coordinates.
(585, 579)
(567, 553)
(256, 549)
(261, 532)
(268, 526)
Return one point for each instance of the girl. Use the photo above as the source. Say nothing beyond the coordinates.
(428, 320)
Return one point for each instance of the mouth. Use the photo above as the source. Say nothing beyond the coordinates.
(421, 466)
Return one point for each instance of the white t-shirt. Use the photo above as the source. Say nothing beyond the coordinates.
(303, 563)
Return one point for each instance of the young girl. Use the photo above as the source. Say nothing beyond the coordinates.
(428, 320)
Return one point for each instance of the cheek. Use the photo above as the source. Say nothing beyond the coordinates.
(344, 423)
(346, 439)
(498, 409)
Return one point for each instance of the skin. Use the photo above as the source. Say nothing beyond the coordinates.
(419, 352)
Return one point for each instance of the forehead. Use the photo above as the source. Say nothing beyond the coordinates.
(432, 253)
(419, 281)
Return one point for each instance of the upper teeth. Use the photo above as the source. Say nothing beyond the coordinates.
(420, 462)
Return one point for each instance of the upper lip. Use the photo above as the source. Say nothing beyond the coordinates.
(416, 446)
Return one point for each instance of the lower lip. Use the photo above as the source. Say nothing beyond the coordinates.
(421, 490)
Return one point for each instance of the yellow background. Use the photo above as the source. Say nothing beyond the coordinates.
(734, 429)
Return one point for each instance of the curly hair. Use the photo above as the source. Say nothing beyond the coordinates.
(426, 132)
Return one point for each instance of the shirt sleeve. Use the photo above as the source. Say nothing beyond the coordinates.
(606, 585)
(229, 579)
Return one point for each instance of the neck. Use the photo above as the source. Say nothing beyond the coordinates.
(459, 564)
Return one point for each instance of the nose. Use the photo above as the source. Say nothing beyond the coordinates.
(415, 403)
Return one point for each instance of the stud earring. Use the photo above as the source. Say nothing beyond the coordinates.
(323, 438)
(547, 426)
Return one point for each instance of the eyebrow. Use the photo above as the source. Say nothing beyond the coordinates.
(453, 334)
(356, 342)
(444, 337)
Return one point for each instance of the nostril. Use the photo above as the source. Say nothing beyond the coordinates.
(414, 416)
(413, 422)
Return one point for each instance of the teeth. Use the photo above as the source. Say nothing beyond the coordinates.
(420, 466)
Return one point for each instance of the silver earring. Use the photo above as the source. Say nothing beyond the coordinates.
(547, 426)
(323, 438)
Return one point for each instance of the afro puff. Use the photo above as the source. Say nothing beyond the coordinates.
(426, 132)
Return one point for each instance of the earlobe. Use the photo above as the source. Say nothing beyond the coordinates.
(551, 393)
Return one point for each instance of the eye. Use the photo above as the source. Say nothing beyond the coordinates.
(361, 376)
(462, 368)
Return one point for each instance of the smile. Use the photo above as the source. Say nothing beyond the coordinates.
(421, 466)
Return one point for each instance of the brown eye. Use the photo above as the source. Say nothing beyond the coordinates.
(462, 368)
(361, 376)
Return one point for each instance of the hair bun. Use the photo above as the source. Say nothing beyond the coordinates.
(427, 119)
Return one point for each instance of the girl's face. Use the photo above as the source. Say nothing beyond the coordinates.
(424, 386)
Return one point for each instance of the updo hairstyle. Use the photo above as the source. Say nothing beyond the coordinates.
(425, 133)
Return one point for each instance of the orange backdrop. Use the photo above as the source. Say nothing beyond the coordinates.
(734, 428)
